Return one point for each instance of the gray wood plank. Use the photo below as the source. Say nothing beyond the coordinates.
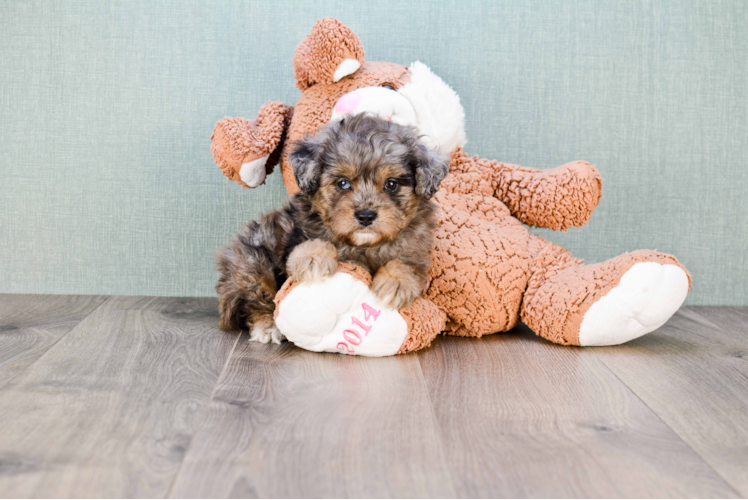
(109, 411)
(521, 417)
(290, 423)
(733, 320)
(31, 324)
(693, 372)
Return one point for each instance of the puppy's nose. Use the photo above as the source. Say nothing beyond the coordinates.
(365, 217)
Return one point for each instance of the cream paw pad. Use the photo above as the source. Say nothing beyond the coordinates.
(647, 296)
(341, 314)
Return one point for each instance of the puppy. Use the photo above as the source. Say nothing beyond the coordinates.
(365, 189)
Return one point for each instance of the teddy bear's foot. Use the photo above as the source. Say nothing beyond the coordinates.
(342, 314)
(647, 296)
(570, 303)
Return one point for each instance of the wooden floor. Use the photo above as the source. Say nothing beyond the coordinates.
(145, 397)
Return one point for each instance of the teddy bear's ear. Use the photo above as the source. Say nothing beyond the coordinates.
(329, 52)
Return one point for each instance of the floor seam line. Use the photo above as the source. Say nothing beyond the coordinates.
(205, 415)
(438, 426)
(661, 419)
(9, 381)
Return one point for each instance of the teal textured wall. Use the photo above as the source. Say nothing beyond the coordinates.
(106, 109)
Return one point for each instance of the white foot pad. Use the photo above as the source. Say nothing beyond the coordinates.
(253, 173)
(340, 314)
(646, 297)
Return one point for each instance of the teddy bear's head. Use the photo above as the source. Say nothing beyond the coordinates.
(336, 81)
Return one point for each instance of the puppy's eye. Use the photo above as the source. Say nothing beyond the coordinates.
(387, 87)
(391, 185)
(344, 184)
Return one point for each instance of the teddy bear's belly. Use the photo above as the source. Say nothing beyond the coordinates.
(480, 264)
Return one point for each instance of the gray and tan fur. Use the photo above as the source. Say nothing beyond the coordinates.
(366, 186)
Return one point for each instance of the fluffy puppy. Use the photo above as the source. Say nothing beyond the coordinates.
(365, 190)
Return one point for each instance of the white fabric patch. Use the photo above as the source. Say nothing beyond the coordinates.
(253, 173)
(381, 102)
(646, 297)
(347, 67)
(426, 102)
(340, 314)
(440, 116)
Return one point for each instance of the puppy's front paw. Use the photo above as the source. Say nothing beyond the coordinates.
(265, 333)
(313, 260)
(397, 285)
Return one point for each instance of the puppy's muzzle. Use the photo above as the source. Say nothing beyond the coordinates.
(365, 217)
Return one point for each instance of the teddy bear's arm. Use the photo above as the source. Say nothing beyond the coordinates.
(558, 199)
(247, 150)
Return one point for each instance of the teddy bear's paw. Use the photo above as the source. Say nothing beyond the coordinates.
(253, 173)
(647, 295)
(243, 148)
(340, 314)
(239, 152)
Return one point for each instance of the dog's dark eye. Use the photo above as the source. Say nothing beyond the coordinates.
(391, 185)
(344, 184)
(387, 87)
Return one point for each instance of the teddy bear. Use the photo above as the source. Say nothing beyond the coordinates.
(488, 271)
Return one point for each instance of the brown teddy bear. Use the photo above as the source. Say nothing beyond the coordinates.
(488, 272)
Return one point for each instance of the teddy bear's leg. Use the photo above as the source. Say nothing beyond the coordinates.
(608, 303)
(342, 314)
(479, 264)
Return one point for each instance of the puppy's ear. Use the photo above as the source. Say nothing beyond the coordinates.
(431, 167)
(305, 163)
